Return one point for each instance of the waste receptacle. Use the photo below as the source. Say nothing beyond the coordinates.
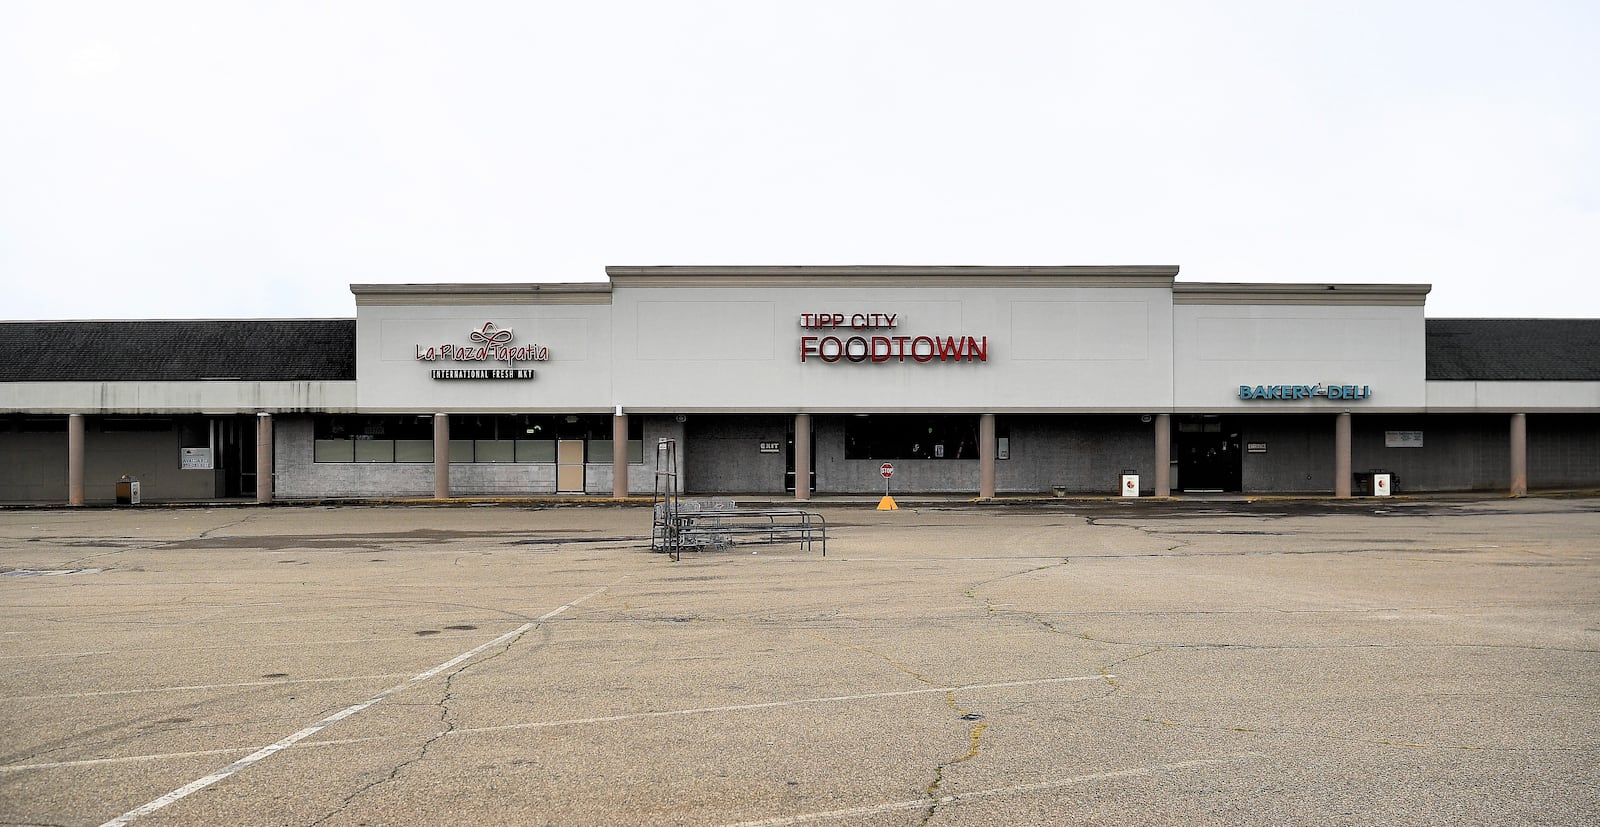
(1130, 483)
(1374, 483)
(127, 491)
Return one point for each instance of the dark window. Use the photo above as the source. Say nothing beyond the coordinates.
(111, 425)
(42, 425)
(910, 436)
(374, 427)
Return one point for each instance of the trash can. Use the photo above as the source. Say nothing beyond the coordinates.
(127, 491)
(1130, 483)
(1374, 483)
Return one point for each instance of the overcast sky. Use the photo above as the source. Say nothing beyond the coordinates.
(218, 159)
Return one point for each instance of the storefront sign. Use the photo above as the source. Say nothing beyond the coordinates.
(1402, 439)
(194, 459)
(834, 347)
(488, 344)
(1305, 392)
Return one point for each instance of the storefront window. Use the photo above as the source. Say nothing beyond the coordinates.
(373, 439)
(484, 438)
(910, 436)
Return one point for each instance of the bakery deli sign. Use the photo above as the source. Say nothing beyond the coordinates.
(1317, 391)
(875, 338)
(491, 352)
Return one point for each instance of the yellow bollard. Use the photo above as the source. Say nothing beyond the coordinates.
(887, 504)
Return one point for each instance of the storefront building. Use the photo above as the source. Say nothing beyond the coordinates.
(975, 381)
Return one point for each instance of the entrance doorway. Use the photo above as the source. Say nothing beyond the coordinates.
(1208, 454)
(235, 458)
(569, 466)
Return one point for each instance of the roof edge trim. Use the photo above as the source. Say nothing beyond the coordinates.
(1277, 293)
(877, 275)
(464, 293)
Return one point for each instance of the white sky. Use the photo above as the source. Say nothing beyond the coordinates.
(221, 159)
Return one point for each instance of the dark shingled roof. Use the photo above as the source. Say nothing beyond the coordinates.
(272, 350)
(1508, 350)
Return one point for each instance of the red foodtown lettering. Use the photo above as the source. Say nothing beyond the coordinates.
(923, 349)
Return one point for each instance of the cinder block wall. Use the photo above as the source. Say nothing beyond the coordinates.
(1299, 456)
(1084, 454)
(724, 453)
(1460, 452)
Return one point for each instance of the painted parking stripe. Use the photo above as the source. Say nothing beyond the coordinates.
(274, 748)
(199, 686)
(704, 710)
(924, 803)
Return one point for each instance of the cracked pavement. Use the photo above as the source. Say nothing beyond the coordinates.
(1404, 662)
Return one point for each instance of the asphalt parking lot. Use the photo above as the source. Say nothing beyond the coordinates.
(1422, 662)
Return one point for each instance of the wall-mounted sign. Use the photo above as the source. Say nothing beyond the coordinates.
(489, 344)
(1402, 439)
(879, 347)
(194, 459)
(771, 447)
(1255, 447)
(1305, 392)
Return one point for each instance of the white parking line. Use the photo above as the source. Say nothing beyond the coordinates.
(631, 716)
(924, 803)
(274, 748)
(201, 686)
(704, 710)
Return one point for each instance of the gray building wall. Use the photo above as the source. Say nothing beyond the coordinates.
(1299, 456)
(33, 466)
(1084, 454)
(1563, 450)
(723, 453)
(1466, 452)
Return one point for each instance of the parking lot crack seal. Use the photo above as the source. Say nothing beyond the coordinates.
(446, 718)
(974, 749)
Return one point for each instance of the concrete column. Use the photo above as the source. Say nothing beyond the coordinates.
(802, 456)
(619, 454)
(1341, 455)
(75, 459)
(441, 456)
(263, 457)
(1519, 454)
(1163, 455)
(986, 451)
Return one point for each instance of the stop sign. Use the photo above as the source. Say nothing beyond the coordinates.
(887, 470)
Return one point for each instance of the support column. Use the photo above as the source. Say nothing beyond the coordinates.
(263, 457)
(1519, 454)
(441, 456)
(1163, 455)
(75, 459)
(1341, 455)
(619, 454)
(986, 451)
(802, 456)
